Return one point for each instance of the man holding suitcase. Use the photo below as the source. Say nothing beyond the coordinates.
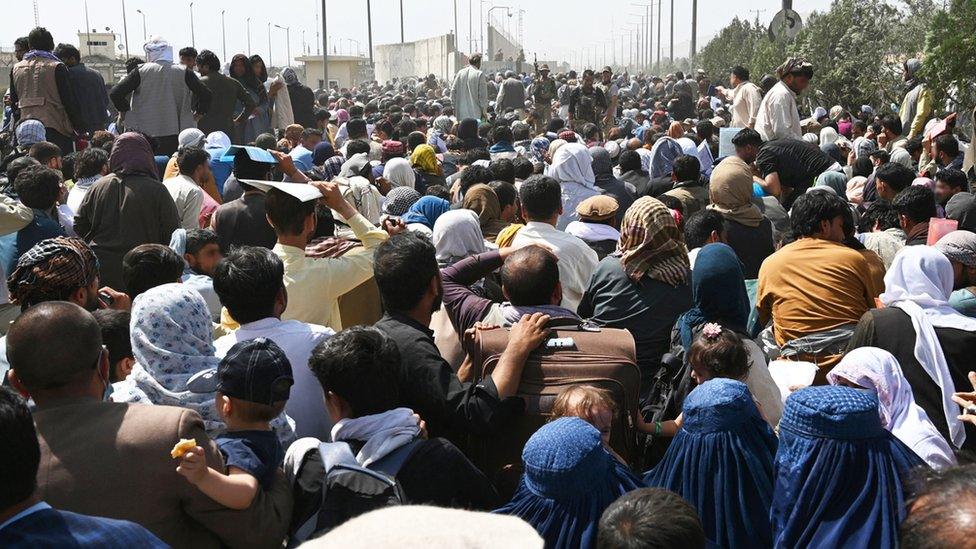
(410, 286)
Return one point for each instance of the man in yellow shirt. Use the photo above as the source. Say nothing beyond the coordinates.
(315, 284)
(816, 289)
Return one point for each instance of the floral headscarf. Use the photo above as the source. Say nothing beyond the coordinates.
(172, 339)
(651, 243)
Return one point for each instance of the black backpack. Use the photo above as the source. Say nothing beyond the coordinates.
(350, 490)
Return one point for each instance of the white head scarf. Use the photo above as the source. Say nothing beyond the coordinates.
(399, 173)
(218, 140)
(457, 234)
(158, 49)
(919, 282)
(828, 136)
(191, 137)
(878, 370)
(573, 164)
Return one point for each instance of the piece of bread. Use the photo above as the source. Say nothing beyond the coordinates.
(182, 447)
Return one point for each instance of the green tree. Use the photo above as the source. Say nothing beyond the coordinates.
(950, 55)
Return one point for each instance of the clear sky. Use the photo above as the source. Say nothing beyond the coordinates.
(552, 28)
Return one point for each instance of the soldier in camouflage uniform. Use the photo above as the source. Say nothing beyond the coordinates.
(544, 91)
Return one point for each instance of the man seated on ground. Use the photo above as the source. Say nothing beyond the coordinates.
(149, 265)
(541, 199)
(948, 183)
(786, 167)
(701, 228)
(250, 283)
(26, 520)
(185, 188)
(315, 284)
(688, 187)
(598, 224)
(815, 289)
(242, 220)
(891, 179)
(359, 372)
(410, 287)
(59, 269)
(133, 477)
(302, 154)
(530, 283)
(38, 188)
(201, 253)
(915, 207)
(881, 231)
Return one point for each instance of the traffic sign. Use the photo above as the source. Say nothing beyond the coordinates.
(786, 25)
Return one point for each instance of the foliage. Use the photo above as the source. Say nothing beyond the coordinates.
(950, 54)
(857, 48)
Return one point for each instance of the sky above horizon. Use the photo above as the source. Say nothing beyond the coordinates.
(553, 31)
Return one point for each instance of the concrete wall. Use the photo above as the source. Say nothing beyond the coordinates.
(437, 55)
(497, 39)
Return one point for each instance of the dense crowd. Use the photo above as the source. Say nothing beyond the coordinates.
(612, 310)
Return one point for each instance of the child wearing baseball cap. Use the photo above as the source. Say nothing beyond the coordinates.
(252, 384)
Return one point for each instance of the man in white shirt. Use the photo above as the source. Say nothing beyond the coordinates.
(745, 96)
(542, 205)
(778, 116)
(250, 283)
(194, 164)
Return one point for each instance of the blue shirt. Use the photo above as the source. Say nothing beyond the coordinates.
(219, 167)
(40, 228)
(257, 452)
(302, 158)
(40, 527)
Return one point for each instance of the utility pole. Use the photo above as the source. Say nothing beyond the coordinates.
(401, 26)
(325, 51)
(193, 36)
(223, 32)
(268, 63)
(672, 33)
(287, 43)
(248, 37)
(694, 30)
(88, 28)
(369, 31)
(455, 24)
(470, 27)
(125, 29)
(659, 34)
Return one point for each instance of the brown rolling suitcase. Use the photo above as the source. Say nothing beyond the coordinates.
(574, 354)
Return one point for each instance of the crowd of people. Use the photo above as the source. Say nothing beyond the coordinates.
(242, 312)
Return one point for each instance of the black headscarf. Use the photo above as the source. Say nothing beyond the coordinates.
(263, 77)
(248, 80)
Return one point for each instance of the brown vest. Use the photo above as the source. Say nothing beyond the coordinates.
(38, 96)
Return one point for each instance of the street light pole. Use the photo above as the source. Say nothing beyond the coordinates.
(694, 30)
(369, 31)
(248, 36)
(269, 63)
(658, 34)
(325, 51)
(470, 27)
(287, 43)
(223, 31)
(401, 25)
(193, 36)
(672, 33)
(143, 24)
(125, 29)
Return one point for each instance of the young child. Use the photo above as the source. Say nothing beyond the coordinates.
(587, 402)
(594, 405)
(716, 353)
(115, 337)
(252, 384)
